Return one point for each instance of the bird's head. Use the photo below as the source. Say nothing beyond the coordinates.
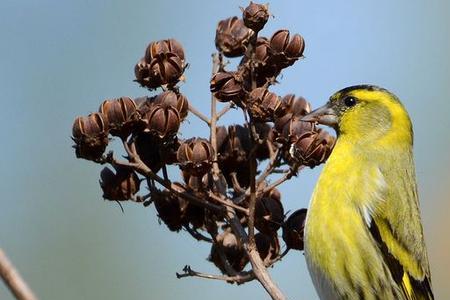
(365, 113)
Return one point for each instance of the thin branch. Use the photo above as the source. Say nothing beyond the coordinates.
(280, 171)
(236, 186)
(274, 159)
(273, 163)
(239, 278)
(13, 280)
(199, 114)
(217, 64)
(228, 203)
(223, 111)
(250, 55)
(197, 235)
(282, 179)
(258, 267)
(252, 202)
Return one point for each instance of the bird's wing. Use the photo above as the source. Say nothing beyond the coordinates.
(394, 223)
(412, 288)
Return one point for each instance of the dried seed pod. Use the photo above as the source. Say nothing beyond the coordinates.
(233, 151)
(155, 152)
(269, 212)
(162, 121)
(255, 16)
(233, 251)
(166, 68)
(265, 69)
(118, 186)
(293, 229)
(232, 37)
(263, 105)
(170, 208)
(262, 51)
(90, 135)
(263, 130)
(268, 246)
(89, 126)
(147, 147)
(285, 51)
(168, 150)
(227, 86)
(290, 128)
(221, 137)
(279, 41)
(142, 72)
(233, 155)
(195, 156)
(157, 48)
(295, 47)
(194, 183)
(194, 215)
(177, 100)
(297, 106)
(236, 145)
(120, 115)
(312, 148)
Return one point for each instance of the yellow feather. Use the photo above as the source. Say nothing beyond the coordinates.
(407, 286)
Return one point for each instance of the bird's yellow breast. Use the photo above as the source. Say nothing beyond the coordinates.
(337, 240)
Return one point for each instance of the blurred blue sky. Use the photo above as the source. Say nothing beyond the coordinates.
(60, 59)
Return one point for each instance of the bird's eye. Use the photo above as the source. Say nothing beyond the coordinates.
(349, 101)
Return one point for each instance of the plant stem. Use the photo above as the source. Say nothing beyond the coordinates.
(217, 64)
(13, 280)
(198, 114)
(223, 111)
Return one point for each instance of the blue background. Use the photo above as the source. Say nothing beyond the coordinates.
(60, 59)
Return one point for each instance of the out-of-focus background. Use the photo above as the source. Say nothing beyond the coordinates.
(60, 59)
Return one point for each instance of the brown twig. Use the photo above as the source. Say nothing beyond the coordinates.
(252, 202)
(239, 278)
(250, 54)
(223, 111)
(236, 186)
(197, 235)
(273, 162)
(228, 203)
(13, 280)
(199, 114)
(282, 179)
(258, 267)
(217, 64)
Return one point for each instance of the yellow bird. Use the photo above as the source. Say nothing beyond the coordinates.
(363, 234)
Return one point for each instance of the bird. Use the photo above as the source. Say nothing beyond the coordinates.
(363, 233)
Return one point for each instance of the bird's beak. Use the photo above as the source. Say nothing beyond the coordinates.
(323, 115)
